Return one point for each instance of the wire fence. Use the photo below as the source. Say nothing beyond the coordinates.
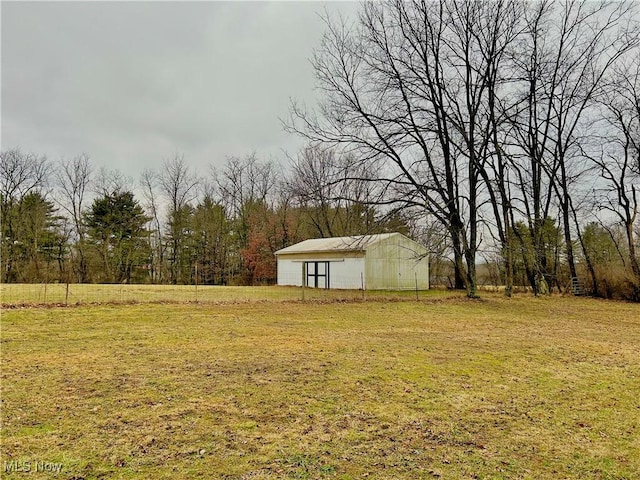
(21, 294)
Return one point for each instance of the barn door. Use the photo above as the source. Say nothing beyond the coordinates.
(318, 274)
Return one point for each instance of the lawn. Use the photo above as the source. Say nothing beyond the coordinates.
(527, 388)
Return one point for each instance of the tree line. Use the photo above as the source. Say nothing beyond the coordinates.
(63, 221)
(514, 125)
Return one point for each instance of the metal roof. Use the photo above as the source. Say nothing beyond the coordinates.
(358, 243)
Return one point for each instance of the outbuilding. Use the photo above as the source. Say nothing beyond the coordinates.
(386, 261)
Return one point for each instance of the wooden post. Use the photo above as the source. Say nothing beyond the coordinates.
(362, 283)
(416, 275)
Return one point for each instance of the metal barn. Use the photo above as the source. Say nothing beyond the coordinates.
(387, 261)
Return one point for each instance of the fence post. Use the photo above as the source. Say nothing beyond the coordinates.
(66, 281)
(304, 278)
(416, 277)
(362, 284)
(196, 283)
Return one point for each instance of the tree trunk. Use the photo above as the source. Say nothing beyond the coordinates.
(459, 272)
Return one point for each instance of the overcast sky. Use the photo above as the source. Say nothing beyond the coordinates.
(133, 83)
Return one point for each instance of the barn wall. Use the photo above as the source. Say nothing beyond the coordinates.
(395, 263)
(344, 270)
(347, 274)
(289, 271)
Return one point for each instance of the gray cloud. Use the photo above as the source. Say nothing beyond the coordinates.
(134, 83)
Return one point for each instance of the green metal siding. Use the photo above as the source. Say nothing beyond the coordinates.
(396, 263)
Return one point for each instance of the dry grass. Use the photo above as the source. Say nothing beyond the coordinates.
(447, 388)
(78, 294)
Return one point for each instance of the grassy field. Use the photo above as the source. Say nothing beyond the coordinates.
(522, 388)
(60, 294)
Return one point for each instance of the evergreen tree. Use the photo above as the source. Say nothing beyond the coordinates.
(116, 227)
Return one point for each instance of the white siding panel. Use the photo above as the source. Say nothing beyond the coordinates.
(344, 273)
(347, 274)
(289, 272)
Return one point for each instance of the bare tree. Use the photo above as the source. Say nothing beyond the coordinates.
(243, 182)
(337, 194)
(21, 174)
(567, 51)
(73, 181)
(618, 161)
(311, 183)
(180, 187)
(149, 182)
(286, 212)
(246, 179)
(246, 186)
(107, 182)
(406, 91)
